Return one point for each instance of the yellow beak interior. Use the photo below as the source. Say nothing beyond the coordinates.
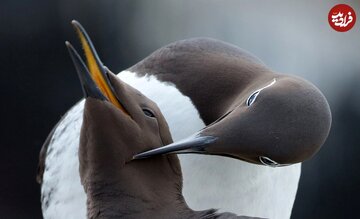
(96, 73)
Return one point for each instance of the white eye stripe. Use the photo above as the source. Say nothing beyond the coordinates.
(251, 99)
(272, 83)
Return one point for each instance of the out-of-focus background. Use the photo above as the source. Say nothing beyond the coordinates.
(39, 83)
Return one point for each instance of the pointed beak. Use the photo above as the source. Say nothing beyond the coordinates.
(89, 87)
(194, 144)
(93, 75)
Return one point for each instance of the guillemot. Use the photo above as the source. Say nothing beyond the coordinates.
(196, 82)
(118, 122)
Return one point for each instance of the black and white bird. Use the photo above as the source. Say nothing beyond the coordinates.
(217, 99)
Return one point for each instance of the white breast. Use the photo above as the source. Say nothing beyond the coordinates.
(209, 181)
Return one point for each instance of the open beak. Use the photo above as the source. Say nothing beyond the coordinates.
(90, 89)
(93, 74)
(194, 144)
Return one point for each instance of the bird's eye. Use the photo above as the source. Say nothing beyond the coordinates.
(268, 162)
(252, 98)
(148, 113)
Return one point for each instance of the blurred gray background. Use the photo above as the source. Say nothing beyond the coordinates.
(39, 84)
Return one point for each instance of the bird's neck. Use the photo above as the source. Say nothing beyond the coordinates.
(107, 200)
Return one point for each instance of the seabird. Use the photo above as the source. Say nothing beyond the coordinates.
(119, 122)
(243, 110)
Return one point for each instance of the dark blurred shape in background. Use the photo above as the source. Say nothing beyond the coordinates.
(39, 84)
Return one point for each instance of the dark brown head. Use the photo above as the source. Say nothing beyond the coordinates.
(277, 121)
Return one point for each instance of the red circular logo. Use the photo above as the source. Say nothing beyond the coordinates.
(342, 17)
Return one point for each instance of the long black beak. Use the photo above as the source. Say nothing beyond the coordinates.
(89, 87)
(196, 144)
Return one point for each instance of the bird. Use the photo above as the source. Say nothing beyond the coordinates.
(115, 127)
(217, 100)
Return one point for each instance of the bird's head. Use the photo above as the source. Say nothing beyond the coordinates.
(277, 121)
